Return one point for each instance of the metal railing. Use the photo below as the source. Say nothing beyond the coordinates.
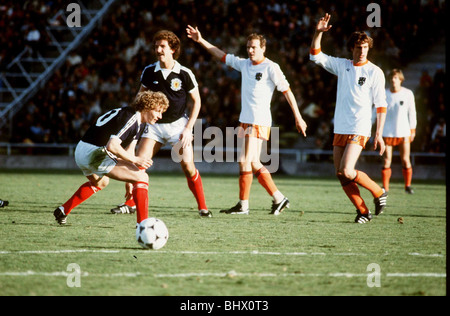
(299, 155)
(20, 81)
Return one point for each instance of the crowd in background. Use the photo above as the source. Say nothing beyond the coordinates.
(104, 71)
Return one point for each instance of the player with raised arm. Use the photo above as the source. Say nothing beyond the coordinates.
(107, 151)
(178, 83)
(260, 77)
(400, 128)
(360, 85)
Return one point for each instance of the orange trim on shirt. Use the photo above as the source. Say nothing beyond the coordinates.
(361, 64)
(254, 64)
(315, 51)
(224, 58)
(381, 110)
(284, 92)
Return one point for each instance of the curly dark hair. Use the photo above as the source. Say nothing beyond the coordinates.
(359, 38)
(172, 40)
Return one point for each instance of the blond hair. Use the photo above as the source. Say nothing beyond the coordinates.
(149, 100)
(397, 72)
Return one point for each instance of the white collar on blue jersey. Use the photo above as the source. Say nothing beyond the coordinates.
(176, 68)
(139, 118)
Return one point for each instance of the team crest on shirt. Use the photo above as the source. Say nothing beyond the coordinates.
(401, 103)
(361, 80)
(175, 84)
(258, 76)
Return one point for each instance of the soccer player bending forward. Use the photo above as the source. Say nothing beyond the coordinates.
(107, 151)
(400, 128)
(178, 83)
(360, 85)
(260, 77)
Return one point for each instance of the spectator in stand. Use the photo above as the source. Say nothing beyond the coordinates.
(439, 136)
(292, 22)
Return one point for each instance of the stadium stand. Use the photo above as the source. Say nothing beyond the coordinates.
(37, 41)
(104, 70)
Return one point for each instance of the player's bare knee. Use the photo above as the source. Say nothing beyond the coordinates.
(103, 183)
(245, 166)
(348, 173)
(142, 176)
(406, 163)
(188, 168)
(256, 165)
(344, 176)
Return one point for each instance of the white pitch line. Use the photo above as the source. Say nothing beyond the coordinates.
(230, 274)
(38, 252)
(254, 252)
(426, 255)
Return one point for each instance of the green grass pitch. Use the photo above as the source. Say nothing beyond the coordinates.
(313, 248)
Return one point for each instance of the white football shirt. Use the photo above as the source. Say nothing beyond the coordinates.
(401, 115)
(358, 88)
(257, 86)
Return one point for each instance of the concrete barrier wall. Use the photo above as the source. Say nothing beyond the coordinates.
(287, 166)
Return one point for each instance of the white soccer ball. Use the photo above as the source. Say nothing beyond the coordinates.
(152, 233)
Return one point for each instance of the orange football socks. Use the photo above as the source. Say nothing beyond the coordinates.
(352, 191)
(363, 180)
(245, 183)
(385, 177)
(407, 175)
(265, 179)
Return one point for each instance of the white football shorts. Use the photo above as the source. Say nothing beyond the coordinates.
(166, 133)
(92, 159)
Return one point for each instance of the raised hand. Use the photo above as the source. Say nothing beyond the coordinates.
(322, 25)
(193, 33)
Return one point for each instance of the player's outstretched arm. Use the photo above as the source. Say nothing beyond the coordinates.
(299, 122)
(378, 139)
(322, 26)
(196, 36)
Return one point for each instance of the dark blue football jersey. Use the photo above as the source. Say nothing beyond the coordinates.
(176, 86)
(124, 123)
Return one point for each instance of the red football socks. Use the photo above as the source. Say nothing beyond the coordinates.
(83, 193)
(196, 186)
(140, 196)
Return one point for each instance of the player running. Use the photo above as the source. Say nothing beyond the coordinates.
(175, 128)
(260, 77)
(400, 128)
(107, 151)
(360, 85)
